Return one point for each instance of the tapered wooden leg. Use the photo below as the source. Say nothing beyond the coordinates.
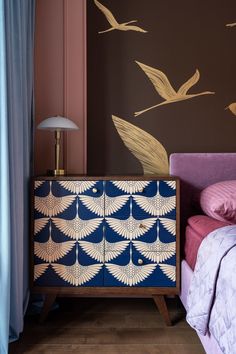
(48, 302)
(161, 305)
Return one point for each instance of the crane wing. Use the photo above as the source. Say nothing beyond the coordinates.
(97, 251)
(39, 224)
(169, 225)
(113, 204)
(232, 108)
(130, 274)
(131, 186)
(76, 274)
(169, 271)
(95, 205)
(134, 28)
(156, 251)
(131, 228)
(182, 91)
(159, 80)
(171, 184)
(51, 205)
(94, 250)
(109, 16)
(231, 24)
(51, 251)
(157, 205)
(40, 269)
(77, 187)
(114, 249)
(37, 184)
(77, 228)
(147, 149)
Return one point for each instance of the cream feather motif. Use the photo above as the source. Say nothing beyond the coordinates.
(113, 22)
(51, 205)
(166, 91)
(77, 187)
(157, 205)
(106, 249)
(131, 228)
(231, 24)
(169, 225)
(232, 108)
(156, 251)
(148, 150)
(169, 271)
(76, 274)
(171, 184)
(51, 251)
(131, 186)
(77, 228)
(113, 204)
(40, 269)
(39, 224)
(37, 184)
(96, 205)
(130, 274)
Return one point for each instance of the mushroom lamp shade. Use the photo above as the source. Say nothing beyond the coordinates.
(58, 125)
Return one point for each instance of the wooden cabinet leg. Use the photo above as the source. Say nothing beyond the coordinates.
(48, 302)
(161, 305)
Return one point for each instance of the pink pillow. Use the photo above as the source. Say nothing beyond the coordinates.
(219, 201)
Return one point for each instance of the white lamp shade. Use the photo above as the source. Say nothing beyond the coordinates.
(57, 123)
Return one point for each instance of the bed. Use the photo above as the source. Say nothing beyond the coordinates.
(197, 171)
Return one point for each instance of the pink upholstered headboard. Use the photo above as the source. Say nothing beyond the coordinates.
(197, 171)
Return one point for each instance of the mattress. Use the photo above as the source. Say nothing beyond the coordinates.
(199, 226)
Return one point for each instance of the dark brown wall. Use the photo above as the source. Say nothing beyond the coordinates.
(182, 36)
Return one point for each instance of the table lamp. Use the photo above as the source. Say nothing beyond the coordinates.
(57, 124)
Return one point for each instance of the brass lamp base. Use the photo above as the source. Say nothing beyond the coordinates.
(56, 172)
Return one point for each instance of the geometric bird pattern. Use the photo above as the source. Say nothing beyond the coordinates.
(156, 251)
(77, 228)
(104, 250)
(105, 233)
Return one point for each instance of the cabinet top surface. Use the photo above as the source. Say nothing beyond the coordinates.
(121, 178)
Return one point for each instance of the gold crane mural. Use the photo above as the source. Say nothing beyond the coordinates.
(148, 150)
(165, 90)
(232, 108)
(113, 22)
(231, 24)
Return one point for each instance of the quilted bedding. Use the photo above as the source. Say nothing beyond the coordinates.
(211, 304)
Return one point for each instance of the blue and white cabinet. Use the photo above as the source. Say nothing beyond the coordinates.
(105, 233)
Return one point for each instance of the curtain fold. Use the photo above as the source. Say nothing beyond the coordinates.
(17, 40)
(5, 266)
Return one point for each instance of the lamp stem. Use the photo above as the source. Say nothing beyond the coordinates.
(57, 149)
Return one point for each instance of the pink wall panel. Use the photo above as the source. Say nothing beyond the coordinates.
(75, 82)
(60, 79)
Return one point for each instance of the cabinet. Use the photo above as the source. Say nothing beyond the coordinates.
(105, 236)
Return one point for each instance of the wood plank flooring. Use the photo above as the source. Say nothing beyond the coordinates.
(108, 326)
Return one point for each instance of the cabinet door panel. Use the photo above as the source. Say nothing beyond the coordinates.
(149, 227)
(62, 219)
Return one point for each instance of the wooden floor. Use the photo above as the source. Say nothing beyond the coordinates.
(108, 326)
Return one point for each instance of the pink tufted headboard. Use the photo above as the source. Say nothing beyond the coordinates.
(197, 171)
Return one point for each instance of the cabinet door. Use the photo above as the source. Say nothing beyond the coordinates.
(141, 234)
(68, 217)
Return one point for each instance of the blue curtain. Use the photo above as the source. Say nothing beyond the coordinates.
(16, 124)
